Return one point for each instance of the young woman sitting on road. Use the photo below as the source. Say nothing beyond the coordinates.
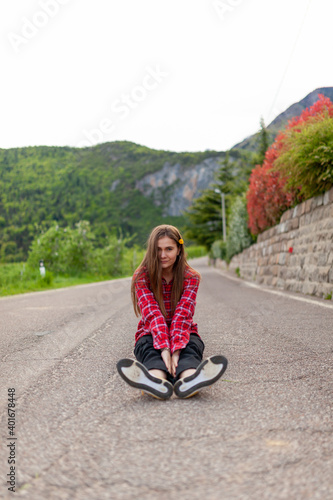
(168, 348)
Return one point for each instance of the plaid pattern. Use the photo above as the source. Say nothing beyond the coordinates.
(173, 332)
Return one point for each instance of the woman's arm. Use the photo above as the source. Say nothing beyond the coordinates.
(152, 316)
(183, 317)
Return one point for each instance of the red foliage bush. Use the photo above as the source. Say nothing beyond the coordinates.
(318, 108)
(267, 197)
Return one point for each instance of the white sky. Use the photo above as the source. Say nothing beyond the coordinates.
(80, 72)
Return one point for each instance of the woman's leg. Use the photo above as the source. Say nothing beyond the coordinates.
(187, 373)
(158, 373)
(190, 357)
(151, 358)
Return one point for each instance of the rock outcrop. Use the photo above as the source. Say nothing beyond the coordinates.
(175, 186)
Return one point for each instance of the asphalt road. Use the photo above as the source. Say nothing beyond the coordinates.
(263, 431)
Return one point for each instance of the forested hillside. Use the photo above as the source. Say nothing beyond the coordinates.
(42, 184)
(118, 187)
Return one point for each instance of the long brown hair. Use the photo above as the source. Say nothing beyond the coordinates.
(151, 265)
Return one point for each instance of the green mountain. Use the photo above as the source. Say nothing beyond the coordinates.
(105, 184)
(119, 187)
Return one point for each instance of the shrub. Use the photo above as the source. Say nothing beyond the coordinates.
(218, 250)
(48, 247)
(239, 236)
(266, 198)
(47, 280)
(78, 248)
(63, 250)
(108, 260)
(275, 187)
(195, 251)
(307, 158)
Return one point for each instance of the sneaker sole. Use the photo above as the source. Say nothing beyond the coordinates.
(150, 394)
(137, 375)
(207, 373)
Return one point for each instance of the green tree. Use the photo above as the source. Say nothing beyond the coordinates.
(48, 247)
(110, 260)
(204, 217)
(239, 236)
(63, 250)
(77, 253)
(263, 141)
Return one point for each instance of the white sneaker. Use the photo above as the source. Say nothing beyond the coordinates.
(208, 372)
(137, 375)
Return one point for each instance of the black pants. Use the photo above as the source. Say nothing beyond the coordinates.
(190, 356)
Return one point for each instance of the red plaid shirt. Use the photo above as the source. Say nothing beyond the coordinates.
(173, 332)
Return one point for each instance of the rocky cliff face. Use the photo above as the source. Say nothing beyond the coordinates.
(175, 186)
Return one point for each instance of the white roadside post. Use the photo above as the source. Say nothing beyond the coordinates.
(42, 268)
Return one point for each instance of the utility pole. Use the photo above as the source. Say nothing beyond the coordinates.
(224, 232)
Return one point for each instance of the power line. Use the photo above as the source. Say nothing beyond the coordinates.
(290, 58)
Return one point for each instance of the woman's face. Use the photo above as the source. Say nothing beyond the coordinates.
(167, 252)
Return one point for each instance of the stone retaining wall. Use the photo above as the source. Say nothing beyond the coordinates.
(297, 253)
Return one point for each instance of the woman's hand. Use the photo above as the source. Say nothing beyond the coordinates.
(166, 356)
(174, 362)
